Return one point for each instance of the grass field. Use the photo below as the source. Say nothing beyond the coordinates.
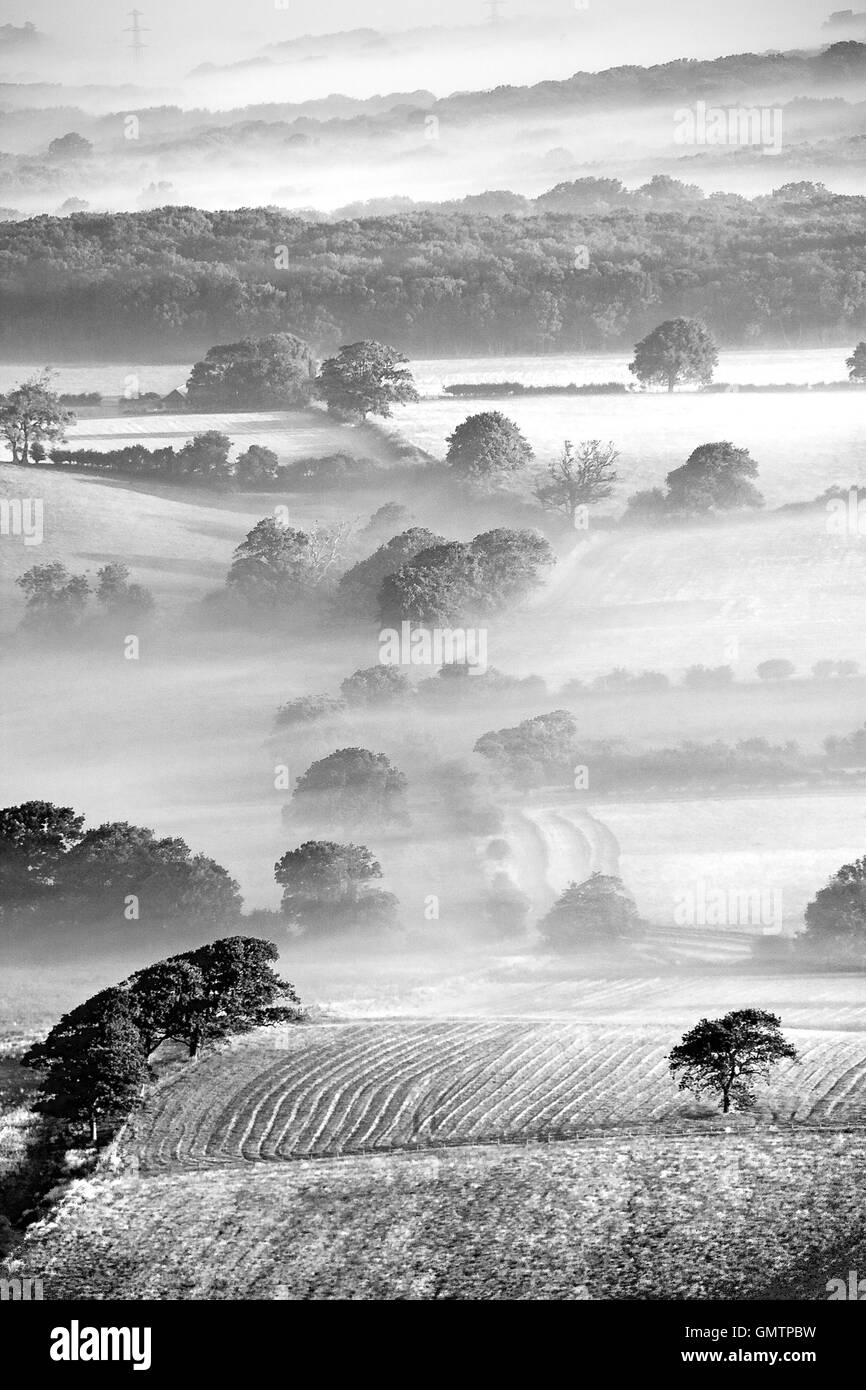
(692, 1217)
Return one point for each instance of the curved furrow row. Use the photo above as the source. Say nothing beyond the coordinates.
(588, 1106)
(365, 1086)
(228, 1104)
(167, 1122)
(245, 1068)
(536, 1108)
(622, 1054)
(478, 1052)
(850, 1081)
(483, 1034)
(542, 1064)
(155, 1127)
(522, 1081)
(388, 1060)
(475, 1035)
(316, 1092)
(570, 1069)
(825, 1067)
(290, 1106)
(819, 1065)
(660, 1078)
(496, 1072)
(345, 1051)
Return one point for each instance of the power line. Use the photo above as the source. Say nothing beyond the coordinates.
(136, 31)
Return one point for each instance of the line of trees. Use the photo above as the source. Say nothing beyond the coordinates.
(57, 601)
(775, 270)
(60, 881)
(95, 1062)
(550, 750)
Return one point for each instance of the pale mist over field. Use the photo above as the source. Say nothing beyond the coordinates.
(319, 107)
(568, 37)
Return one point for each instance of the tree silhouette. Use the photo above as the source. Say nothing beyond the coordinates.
(725, 1055)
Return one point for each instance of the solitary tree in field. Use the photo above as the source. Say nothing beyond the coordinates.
(365, 378)
(326, 888)
(677, 351)
(579, 477)
(486, 446)
(856, 363)
(351, 786)
(32, 416)
(599, 912)
(714, 477)
(723, 1056)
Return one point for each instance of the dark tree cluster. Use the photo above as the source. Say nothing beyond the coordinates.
(327, 890)
(61, 884)
(458, 581)
(57, 602)
(95, 1061)
(350, 787)
(715, 478)
(771, 270)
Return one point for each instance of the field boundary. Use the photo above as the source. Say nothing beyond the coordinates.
(696, 1129)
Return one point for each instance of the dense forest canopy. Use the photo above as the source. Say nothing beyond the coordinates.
(781, 270)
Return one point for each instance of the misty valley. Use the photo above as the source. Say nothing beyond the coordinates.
(433, 817)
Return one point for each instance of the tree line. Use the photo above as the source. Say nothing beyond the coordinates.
(95, 1062)
(778, 270)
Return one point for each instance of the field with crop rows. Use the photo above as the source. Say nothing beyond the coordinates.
(341, 1088)
(653, 1217)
